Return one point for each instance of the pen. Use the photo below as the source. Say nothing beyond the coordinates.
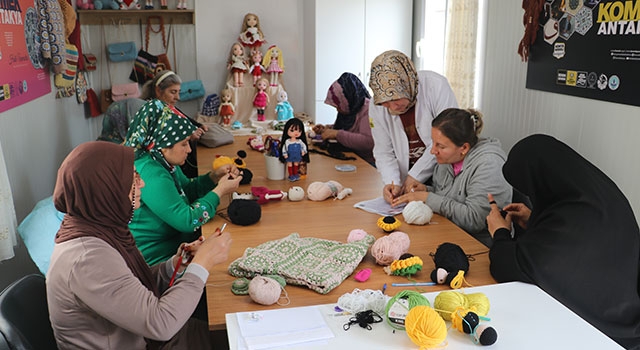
(413, 284)
(384, 288)
(393, 196)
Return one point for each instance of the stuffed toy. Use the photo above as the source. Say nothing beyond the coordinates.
(256, 143)
(451, 265)
(264, 195)
(319, 191)
(129, 4)
(247, 175)
(296, 194)
(85, 4)
(106, 4)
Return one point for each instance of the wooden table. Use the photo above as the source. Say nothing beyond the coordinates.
(329, 219)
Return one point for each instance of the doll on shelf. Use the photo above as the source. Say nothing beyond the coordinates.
(283, 108)
(274, 62)
(251, 34)
(257, 68)
(148, 5)
(261, 98)
(237, 64)
(182, 4)
(227, 109)
(293, 147)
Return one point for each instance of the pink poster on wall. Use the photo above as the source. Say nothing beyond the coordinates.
(23, 76)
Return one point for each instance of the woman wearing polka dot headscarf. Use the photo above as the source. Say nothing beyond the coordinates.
(173, 206)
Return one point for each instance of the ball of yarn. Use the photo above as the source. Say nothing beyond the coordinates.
(448, 301)
(296, 194)
(425, 327)
(417, 213)
(356, 235)
(244, 212)
(389, 248)
(398, 306)
(264, 290)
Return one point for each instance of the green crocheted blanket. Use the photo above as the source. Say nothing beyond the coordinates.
(319, 264)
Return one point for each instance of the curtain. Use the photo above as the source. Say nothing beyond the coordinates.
(8, 220)
(460, 49)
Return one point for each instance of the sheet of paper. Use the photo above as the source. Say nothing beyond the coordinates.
(379, 206)
(282, 327)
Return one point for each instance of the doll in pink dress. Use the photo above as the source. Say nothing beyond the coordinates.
(251, 34)
(237, 64)
(274, 62)
(261, 98)
(257, 68)
(227, 109)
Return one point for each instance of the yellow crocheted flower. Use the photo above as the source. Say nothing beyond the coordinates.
(388, 223)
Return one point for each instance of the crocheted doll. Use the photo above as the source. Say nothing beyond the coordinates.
(256, 69)
(129, 4)
(283, 108)
(451, 265)
(251, 34)
(264, 195)
(274, 63)
(319, 191)
(293, 147)
(237, 64)
(227, 108)
(261, 98)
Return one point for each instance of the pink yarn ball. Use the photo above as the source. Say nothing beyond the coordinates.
(356, 235)
(389, 248)
(264, 290)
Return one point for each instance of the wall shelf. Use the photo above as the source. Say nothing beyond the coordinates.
(135, 16)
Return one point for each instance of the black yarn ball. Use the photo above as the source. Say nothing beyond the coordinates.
(244, 212)
(452, 258)
(247, 176)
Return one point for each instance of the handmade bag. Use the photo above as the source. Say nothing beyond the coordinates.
(192, 89)
(93, 103)
(105, 100)
(215, 136)
(67, 77)
(124, 91)
(144, 67)
(211, 105)
(123, 51)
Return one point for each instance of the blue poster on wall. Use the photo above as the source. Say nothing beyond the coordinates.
(588, 48)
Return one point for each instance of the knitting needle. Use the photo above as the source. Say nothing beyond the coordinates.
(413, 284)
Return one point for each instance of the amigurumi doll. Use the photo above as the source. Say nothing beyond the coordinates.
(451, 265)
(319, 191)
(106, 5)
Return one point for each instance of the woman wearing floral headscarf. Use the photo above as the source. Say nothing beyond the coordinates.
(173, 206)
(352, 128)
(403, 106)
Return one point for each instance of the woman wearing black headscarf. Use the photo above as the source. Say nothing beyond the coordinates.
(581, 242)
(351, 129)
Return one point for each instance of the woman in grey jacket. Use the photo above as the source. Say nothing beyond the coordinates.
(468, 169)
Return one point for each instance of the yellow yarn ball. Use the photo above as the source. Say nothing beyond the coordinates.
(448, 301)
(425, 327)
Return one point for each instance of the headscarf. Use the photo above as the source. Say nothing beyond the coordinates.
(347, 95)
(92, 188)
(582, 243)
(158, 125)
(393, 77)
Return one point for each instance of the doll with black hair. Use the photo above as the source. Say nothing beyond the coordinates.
(293, 147)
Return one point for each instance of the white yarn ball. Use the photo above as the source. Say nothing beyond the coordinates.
(296, 193)
(417, 213)
(264, 290)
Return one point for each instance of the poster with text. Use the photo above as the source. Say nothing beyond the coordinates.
(23, 76)
(588, 48)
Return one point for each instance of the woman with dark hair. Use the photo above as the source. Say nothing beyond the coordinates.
(101, 294)
(581, 242)
(352, 128)
(468, 168)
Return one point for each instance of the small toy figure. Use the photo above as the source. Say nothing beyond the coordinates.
(148, 5)
(163, 4)
(227, 108)
(261, 98)
(237, 63)
(256, 143)
(251, 34)
(182, 5)
(293, 147)
(129, 4)
(274, 62)
(257, 68)
(283, 108)
(84, 5)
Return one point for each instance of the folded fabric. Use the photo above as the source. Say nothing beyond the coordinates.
(319, 264)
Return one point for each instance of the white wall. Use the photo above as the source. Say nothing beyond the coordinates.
(603, 132)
